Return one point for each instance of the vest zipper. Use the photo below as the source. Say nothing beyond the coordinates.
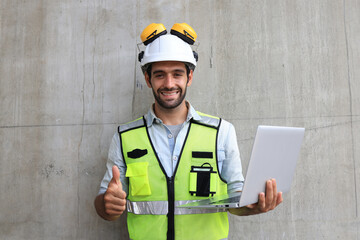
(171, 209)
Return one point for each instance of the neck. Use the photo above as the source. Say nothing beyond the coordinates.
(174, 116)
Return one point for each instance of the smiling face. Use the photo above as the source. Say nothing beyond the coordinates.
(169, 81)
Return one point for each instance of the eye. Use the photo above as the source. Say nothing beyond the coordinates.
(159, 75)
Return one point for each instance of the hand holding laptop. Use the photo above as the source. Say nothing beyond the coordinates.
(267, 201)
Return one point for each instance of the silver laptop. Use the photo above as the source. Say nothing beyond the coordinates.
(274, 155)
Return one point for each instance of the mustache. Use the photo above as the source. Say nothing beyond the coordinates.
(169, 89)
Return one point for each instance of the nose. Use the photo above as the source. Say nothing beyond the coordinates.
(169, 81)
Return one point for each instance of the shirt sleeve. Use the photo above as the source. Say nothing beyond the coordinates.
(114, 158)
(229, 157)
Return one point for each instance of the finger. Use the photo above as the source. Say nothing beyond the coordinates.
(269, 193)
(261, 202)
(115, 197)
(111, 201)
(252, 206)
(275, 194)
(116, 175)
(115, 190)
(274, 187)
(114, 209)
(279, 198)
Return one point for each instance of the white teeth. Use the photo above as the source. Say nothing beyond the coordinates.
(169, 94)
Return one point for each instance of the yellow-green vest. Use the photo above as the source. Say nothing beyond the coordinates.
(153, 197)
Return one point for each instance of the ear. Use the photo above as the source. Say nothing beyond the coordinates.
(147, 80)
(190, 78)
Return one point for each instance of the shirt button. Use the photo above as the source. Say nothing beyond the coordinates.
(170, 136)
(174, 158)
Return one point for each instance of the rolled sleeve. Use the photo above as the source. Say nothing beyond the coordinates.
(230, 165)
(114, 158)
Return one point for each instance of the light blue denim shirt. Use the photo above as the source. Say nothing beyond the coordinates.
(168, 150)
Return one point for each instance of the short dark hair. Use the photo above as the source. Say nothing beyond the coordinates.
(148, 70)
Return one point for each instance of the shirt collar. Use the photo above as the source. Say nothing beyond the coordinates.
(151, 117)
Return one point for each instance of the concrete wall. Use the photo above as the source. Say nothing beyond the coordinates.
(69, 76)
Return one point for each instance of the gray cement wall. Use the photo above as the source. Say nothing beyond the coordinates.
(69, 76)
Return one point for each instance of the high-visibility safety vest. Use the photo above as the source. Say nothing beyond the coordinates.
(153, 197)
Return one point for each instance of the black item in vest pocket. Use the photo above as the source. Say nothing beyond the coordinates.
(202, 154)
(137, 153)
(202, 180)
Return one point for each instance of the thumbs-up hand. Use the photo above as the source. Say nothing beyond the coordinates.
(115, 197)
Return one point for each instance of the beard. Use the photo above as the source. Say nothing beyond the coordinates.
(169, 104)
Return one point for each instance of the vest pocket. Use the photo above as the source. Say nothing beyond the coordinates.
(202, 180)
(138, 179)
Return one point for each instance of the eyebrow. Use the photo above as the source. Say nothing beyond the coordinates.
(176, 70)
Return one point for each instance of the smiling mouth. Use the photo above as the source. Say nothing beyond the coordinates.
(170, 93)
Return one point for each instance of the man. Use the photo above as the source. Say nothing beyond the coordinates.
(173, 154)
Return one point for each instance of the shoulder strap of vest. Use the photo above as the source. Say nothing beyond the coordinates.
(140, 122)
(208, 120)
(137, 123)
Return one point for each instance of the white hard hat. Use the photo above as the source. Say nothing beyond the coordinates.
(168, 48)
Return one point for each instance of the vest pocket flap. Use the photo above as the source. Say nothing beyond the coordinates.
(137, 169)
(137, 153)
(199, 154)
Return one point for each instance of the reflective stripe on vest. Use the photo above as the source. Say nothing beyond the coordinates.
(161, 208)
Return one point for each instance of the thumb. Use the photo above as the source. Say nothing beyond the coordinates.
(116, 175)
